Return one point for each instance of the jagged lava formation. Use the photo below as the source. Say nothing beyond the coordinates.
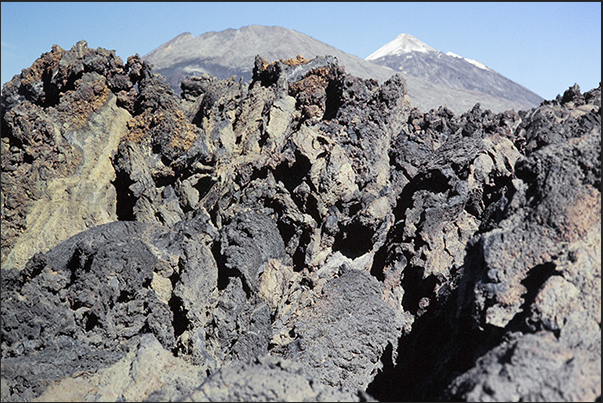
(307, 237)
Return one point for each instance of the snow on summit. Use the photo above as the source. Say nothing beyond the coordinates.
(473, 62)
(404, 43)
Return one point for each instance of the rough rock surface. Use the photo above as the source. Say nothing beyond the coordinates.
(306, 237)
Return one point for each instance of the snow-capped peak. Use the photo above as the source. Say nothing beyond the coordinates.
(404, 43)
(473, 62)
(454, 55)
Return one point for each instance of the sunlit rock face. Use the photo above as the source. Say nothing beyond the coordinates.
(306, 236)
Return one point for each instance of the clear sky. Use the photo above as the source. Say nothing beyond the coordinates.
(546, 47)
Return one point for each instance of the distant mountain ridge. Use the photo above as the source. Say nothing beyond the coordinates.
(232, 52)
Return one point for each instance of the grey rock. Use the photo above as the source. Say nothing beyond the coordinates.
(93, 295)
(341, 333)
(535, 367)
(267, 379)
(312, 218)
(248, 241)
(147, 372)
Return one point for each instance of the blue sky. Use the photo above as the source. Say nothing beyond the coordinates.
(546, 47)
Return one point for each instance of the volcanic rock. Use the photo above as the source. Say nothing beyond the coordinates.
(306, 236)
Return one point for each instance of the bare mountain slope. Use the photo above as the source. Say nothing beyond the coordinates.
(231, 53)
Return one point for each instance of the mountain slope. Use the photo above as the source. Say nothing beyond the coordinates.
(232, 52)
(411, 57)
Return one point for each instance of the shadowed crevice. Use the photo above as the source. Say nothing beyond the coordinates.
(125, 200)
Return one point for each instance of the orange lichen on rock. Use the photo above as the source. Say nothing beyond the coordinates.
(265, 64)
(138, 127)
(47, 61)
(184, 133)
(92, 97)
(316, 79)
(295, 61)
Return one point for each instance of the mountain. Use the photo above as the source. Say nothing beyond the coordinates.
(413, 58)
(402, 44)
(232, 51)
